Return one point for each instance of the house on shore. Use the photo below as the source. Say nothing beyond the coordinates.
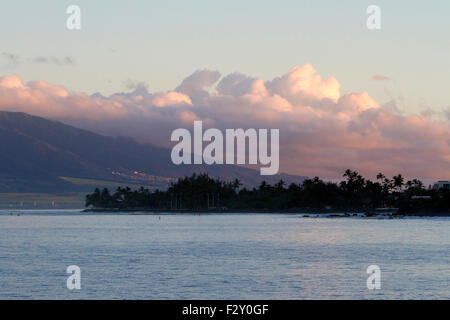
(441, 185)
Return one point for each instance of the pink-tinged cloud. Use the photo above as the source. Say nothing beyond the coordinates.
(380, 78)
(322, 131)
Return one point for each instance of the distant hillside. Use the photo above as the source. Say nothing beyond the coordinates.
(40, 155)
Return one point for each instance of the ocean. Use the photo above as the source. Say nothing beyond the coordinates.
(221, 256)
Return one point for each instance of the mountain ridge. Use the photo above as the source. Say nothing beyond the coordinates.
(36, 152)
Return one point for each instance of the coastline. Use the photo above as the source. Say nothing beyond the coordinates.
(307, 212)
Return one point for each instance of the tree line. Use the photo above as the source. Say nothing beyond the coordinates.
(201, 192)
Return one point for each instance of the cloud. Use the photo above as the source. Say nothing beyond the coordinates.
(380, 78)
(65, 61)
(195, 84)
(322, 131)
(302, 84)
(12, 59)
(447, 113)
(135, 85)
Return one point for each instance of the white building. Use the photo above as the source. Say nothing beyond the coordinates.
(441, 185)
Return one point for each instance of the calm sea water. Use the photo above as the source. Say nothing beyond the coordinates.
(221, 256)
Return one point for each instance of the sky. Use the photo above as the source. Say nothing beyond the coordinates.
(160, 42)
(154, 45)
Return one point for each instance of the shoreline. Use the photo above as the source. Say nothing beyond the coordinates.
(307, 213)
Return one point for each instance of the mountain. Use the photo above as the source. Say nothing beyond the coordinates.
(41, 155)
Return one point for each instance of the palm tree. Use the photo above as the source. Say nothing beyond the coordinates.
(398, 182)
